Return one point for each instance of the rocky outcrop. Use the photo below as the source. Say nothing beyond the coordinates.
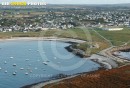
(77, 52)
(123, 49)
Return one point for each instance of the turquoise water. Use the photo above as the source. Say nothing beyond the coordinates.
(39, 61)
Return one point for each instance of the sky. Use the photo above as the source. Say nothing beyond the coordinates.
(75, 1)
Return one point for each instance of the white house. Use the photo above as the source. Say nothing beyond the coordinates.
(113, 29)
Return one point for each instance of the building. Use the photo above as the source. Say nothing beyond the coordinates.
(113, 29)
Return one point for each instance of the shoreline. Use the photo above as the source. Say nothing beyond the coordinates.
(100, 61)
(120, 49)
(104, 62)
(44, 39)
(44, 83)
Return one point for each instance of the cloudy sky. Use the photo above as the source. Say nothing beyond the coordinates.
(77, 1)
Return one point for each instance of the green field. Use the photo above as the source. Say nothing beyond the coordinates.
(117, 37)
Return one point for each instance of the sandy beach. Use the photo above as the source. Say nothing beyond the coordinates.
(44, 39)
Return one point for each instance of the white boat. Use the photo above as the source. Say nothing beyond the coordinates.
(21, 68)
(6, 71)
(26, 73)
(0, 68)
(5, 62)
(14, 65)
(14, 73)
(45, 63)
(11, 57)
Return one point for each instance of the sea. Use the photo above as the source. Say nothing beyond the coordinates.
(24, 62)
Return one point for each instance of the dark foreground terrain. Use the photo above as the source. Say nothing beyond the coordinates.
(115, 78)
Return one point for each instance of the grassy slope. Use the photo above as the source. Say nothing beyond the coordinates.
(117, 37)
(115, 78)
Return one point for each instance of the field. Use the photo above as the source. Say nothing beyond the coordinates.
(117, 37)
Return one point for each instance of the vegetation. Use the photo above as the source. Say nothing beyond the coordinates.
(115, 78)
(4, 35)
(117, 37)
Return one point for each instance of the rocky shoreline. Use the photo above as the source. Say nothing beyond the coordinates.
(117, 54)
(120, 49)
(43, 83)
(77, 52)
